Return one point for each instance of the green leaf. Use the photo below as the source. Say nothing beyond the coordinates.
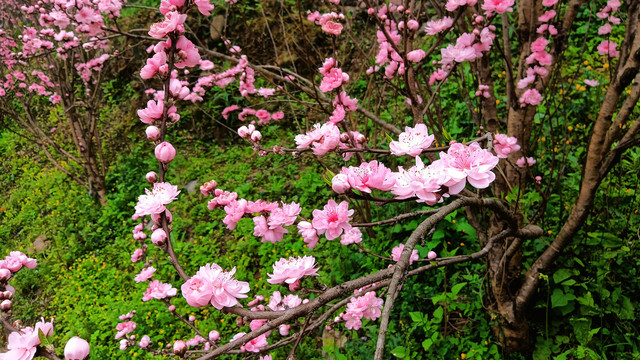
(400, 352)
(561, 275)
(416, 316)
(560, 299)
(581, 328)
(457, 287)
(437, 314)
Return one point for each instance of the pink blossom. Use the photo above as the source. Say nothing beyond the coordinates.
(437, 75)
(137, 255)
(397, 251)
(367, 306)
(268, 233)
(332, 28)
(539, 44)
(226, 289)
(21, 345)
(260, 206)
(367, 176)
(521, 162)
(145, 274)
(548, 15)
(470, 163)
(412, 141)
(452, 5)
(285, 215)
(291, 301)
(197, 290)
(340, 183)
(187, 53)
(531, 97)
(204, 6)
(352, 236)
(498, 6)
(125, 328)
(172, 21)
(592, 83)
(333, 80)
(235, 211)
(422, 182)
(604, 29)
(76, 349)
(256, 136)
(228, 109)
(333, 220)
(549, 2)
(155, 200)
(308, 233)
(432, 255)
(416, 55)
(292, 269)
(503, 145)
(434, 27)
(608, 48)
(253, 345)
(158, 290)
(153, 65)
(165, 152)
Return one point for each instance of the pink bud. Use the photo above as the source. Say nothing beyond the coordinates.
(151, 177)
(153, 133)
(413, 25)
(5, 305)
(165, 152)
(5, 274)
(158, 237)
(400, 8)
(192, 318)
(172, 308)
(432, 255)
(239, 322)
(296, 285)
(370, 11)
(284, 329)
(256, 136)
(179, 348)
(76, 349)
(214, 335)
(340, 183)
(244, 132)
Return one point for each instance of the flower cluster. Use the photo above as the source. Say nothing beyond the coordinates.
(367, 306)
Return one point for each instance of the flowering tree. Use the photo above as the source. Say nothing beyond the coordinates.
(53, 67)
(418, 48)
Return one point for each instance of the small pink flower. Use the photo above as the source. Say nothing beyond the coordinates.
(226, 289)
(367, 176)
(592, 83)
(125, 328)
(333, 79)
(333, 220)
(332, 28)
(498, 6)
(504, 145)
(272, 234)
(531, 97)
(292, 269)
(204, 6)
(145, 274)
(416, 55)
(145, 342)
(173, 21)
(397, 251)
(434, 27)
(522, 162)
(352, 236)
(158, 290)
(608, 48)
(308, 233)
(412, 141)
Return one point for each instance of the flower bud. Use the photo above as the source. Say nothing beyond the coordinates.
(145, 342)
(284, 329)
(76, 349)
(124, 344)
(192, 318)
(158, 237)
(244, 132)
(7, 294)
(5, 274)
(295, 285)
(239, 322)
(256, 136)
(172, 308)
(432, 255)
(214, 335)
(165, 152)
(152, 177)
(340, 183)
(413, 24)
(179, 348)
(153, 133)
(5, 305)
